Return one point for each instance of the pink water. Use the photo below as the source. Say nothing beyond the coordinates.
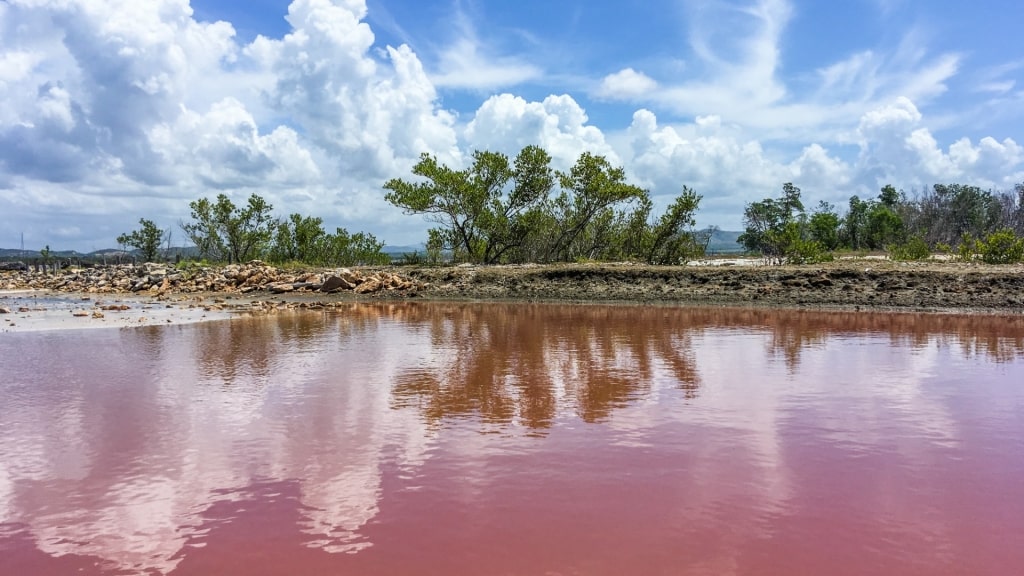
(517, 439)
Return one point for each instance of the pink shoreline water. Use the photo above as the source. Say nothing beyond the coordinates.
(518, 439)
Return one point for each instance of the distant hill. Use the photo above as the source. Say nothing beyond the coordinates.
(11, 254)
(725, 241)
(397, 251)
(722, 241)
(14, 254)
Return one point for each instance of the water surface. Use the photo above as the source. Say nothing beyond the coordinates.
(517, 439)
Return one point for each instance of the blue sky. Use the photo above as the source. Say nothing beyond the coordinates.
(117, 110)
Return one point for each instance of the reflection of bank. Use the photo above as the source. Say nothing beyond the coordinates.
(164, 438)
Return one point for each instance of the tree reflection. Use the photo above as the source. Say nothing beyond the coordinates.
(525, 363)
(792, 332)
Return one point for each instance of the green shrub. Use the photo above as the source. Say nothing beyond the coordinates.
(1001, 247)
(912, 250)
(800, 251)
(967, 248)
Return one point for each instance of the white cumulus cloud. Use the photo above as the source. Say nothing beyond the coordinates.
(559, 124)
(118, 109)
(626, 84)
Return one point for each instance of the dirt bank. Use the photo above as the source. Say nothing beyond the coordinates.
(865, 284)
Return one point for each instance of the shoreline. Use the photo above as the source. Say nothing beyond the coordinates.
(860, 285)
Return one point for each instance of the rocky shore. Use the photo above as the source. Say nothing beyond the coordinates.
(161, 279)
(869, 284)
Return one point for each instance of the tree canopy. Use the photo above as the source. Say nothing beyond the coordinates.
(146, 240)
(498, 210)
(222, 231)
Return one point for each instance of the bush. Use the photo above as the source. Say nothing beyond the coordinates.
(913, 249)
(967, 248)
(807, 252)
(1001, 247)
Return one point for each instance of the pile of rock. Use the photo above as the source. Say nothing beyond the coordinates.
(161, 279)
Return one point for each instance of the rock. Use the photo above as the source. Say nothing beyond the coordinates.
(349, 276)
(369, 286)
(97, 314)
(4, 310)
(165, 285)
(80, 314)
(161, 280)
(335, 283)
(281, 287)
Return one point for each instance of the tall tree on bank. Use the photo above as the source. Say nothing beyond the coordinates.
(298, 238)
(222, 231)
(482, 210)
(823, 226)
(146, 240)
(590, 191)
(671, 239)
(303, 239)
(768, 223)
(780, 231)
(496, 212)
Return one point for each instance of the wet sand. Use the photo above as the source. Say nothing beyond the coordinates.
(33, 311)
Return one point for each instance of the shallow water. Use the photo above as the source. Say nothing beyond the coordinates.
(517, 439)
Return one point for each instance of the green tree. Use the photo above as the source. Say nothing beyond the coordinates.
(671, 239)
(884, 226)
(778, 229)
(874, 224)
(889, 197)
(854, 232)
(590, 191)
(47, 255)
(970, 209)
(222, 231)
(344, 249)
(146, 240)
(823, 226)
(765, 223)
(298, 238)
(482, 210)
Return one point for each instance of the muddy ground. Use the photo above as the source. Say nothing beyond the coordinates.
(848, 284)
